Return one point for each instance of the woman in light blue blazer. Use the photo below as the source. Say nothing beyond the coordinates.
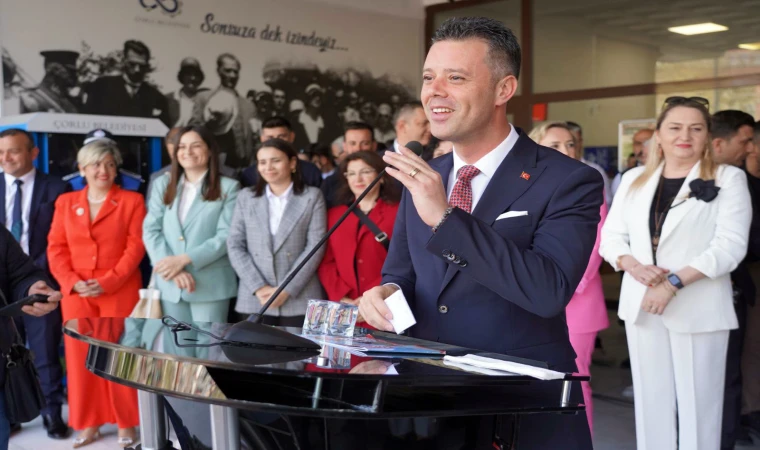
(185, 231)
(276, 223)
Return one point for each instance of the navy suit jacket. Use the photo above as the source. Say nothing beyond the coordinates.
(312, 176)
(46, 191)
(502, 285)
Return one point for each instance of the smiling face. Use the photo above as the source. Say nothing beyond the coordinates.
(275, 166)
(101, 174)
(461, 96)
(683, 134)
(359, 175)
(193, 152)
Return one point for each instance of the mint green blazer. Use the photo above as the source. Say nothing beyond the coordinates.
(203, 237)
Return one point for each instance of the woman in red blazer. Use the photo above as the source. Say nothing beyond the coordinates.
(95, 247)
(355, 256)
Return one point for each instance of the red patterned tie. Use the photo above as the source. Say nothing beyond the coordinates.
(461, 195)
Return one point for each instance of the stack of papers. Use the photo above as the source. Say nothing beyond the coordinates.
(491, 366)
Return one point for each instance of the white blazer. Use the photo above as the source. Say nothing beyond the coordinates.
(710, 237)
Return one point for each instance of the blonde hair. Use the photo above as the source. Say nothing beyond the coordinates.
(95, 151)
(708, 166)
(539, 133)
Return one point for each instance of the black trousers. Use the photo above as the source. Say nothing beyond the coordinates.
(43, 336)
(732, 396)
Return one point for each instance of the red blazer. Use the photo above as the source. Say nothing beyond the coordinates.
(109, 249)
(352, 249)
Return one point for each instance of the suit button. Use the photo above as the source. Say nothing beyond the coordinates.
(457, 260)
(94, 258)
(443, 309)
(463, 264)
(451, 257)
(359, 261)
(446, 253)
(181, 238)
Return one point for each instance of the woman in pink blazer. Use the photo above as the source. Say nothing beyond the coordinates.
(586, 313)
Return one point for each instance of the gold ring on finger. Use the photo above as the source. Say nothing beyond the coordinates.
(414, 172)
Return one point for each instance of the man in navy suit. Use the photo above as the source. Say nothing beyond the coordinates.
(29, 203)
(490, 241)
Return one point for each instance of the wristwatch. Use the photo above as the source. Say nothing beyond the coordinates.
(675, 281)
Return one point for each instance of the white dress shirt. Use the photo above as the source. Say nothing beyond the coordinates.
(26, 204)
(328, 174)
(311, 126)
(189, 192)
(277, 206)
(487, 166)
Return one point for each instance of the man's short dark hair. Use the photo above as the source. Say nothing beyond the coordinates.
(504, 54)
(277, 122)
(726, 123)
(224, 56)
(137, 47)
(18, 132)
(574, 127)
(356, 125)
(406, 108)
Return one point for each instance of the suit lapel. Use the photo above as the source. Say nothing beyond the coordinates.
(681, 205)
(506, 186)
(195, 208)
(642, 210)
(40, 187)
(293, 211)
(109, 205)
(81, 209)
(2, 196)
(261, 213)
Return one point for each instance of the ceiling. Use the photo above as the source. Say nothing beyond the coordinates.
(647, 21)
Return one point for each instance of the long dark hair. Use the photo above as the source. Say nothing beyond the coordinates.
(296, 177)
(212, 184)
(389, 188)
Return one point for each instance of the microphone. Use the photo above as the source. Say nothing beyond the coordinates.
(253, 332)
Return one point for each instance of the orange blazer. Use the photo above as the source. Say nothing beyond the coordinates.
(109, 249)
(354, 259)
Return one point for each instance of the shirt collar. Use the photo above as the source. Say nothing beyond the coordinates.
(395, 145)
(197, 184)
(493, 159)
(285, 195)
(26, 178)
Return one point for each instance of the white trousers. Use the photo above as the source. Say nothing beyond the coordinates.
(676, 373)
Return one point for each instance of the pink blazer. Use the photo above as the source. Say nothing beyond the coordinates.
(587, 312)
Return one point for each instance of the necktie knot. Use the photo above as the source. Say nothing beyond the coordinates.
(18, 182)
(467, 173)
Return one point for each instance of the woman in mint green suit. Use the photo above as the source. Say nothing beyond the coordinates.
(185, 231)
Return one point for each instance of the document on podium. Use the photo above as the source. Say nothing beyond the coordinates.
(367, 345)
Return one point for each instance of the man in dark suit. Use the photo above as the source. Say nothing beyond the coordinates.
(281, 128)
(491, 240)
(732, 141)
(19, 277)
(29, 197)
(128, 94)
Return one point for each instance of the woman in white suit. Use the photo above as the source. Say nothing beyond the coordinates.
(678, 226)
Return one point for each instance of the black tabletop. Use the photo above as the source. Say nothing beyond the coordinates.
(147, 354)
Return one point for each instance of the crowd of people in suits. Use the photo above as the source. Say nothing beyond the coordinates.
(221, 241)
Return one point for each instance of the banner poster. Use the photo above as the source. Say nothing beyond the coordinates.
(228, 64)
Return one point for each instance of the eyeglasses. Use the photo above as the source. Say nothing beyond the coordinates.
(362, 173)
(677, 100)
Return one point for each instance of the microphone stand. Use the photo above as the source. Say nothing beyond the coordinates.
(253, 332)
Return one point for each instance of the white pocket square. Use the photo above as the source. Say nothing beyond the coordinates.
(509, 214)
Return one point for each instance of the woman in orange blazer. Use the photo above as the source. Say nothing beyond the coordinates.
(95, 247)
(354, 256)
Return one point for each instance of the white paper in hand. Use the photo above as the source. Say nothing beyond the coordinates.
(402, 314)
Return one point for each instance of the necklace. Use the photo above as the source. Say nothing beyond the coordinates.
(94, 201)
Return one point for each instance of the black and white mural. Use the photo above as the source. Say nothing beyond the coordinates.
(228, 65)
